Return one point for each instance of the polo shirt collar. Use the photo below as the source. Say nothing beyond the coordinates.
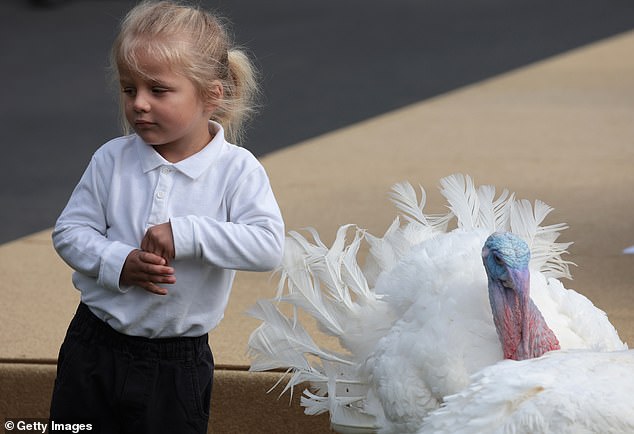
(192, 166)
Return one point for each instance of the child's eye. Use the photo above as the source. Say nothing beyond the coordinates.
(130, 91)
(158, 89)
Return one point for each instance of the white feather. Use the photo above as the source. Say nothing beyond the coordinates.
(463, 200)
(546, 254)
(281, 342)
(406, 201)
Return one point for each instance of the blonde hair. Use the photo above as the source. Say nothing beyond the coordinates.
(196, 43)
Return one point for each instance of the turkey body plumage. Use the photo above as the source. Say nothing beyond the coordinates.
(415, 323)
(444, 334)
(564, 392)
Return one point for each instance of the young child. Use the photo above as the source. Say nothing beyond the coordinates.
(157, 226)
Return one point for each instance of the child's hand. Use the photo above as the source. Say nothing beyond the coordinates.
(160, 241)
(146, 269)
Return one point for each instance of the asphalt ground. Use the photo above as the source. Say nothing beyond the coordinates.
(324, 65)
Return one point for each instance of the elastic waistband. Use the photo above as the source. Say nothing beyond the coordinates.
(88, 326)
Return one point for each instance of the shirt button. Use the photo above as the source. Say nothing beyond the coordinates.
(165, 170)
(160, 194)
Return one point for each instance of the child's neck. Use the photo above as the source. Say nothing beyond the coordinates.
(177, 152)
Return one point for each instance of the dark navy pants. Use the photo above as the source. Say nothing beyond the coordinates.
(126, 384)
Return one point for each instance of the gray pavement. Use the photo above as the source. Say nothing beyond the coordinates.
(324, 65)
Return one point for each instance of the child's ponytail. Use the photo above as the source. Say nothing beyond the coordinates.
(240, 94)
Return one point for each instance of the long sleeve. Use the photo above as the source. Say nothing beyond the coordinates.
(251, 239)
(80, 234)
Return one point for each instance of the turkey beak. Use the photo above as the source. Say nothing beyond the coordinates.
(507, 280)
(518, 279)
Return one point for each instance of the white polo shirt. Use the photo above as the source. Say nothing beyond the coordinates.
(223, 214)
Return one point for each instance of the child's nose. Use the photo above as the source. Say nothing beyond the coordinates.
(141, 103)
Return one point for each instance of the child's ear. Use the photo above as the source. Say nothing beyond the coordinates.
(216, 94)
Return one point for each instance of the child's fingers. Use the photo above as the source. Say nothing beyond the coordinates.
(153, 288)
(156, 264)
(152, 258)
(150, 282)
(156, 272)
(157, 276)
(147, 270)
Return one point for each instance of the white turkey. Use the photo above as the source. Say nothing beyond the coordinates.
(416, 322)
